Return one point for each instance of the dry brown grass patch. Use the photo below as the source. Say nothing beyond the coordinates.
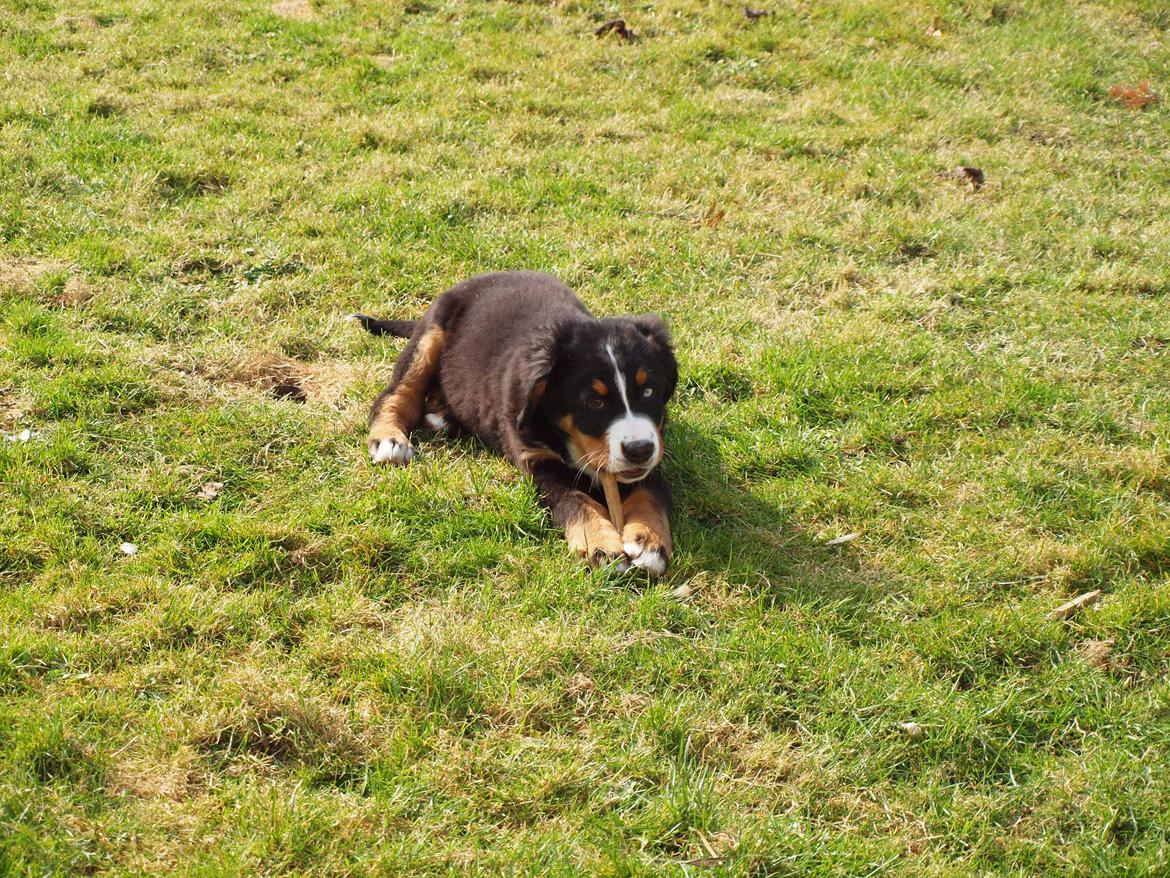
(321, 382)
(175, 779)
(266, 719)
(22, 275)
(296, 10)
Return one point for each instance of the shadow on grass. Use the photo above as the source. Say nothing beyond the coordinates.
(723, 528)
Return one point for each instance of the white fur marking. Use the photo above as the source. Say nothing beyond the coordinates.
(435, 422)
(630, 428)
(653, 562)
(619, 378)
(389, 451)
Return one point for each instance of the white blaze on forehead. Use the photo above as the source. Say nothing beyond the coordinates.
(619, 378)
(630, 427)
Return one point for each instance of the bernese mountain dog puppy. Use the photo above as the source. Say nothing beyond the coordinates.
(517, 360)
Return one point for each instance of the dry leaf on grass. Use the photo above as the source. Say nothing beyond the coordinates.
(1135, 97)
(209, 490)
(714, 216)
(618, 27)
(966, 174)
(935, 29)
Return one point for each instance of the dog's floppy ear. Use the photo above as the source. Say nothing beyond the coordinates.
(654, 328)
(532, 371)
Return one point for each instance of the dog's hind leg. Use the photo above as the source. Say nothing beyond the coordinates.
(436, 415)
(398, 408)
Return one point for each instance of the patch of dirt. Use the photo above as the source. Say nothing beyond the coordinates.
(322, 382)
(1097, 652)
(74, 23)
(295, 10)
(179, 183)
(15, 408)
(200, 263)
(75, 292)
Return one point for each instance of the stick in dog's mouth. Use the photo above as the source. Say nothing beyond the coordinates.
(613, 499)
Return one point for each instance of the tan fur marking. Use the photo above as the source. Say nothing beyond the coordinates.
(593, 450)
(400, 412)
(533, 454)
(590, 531)
(646, 522)
(641, 377)
(600, 387)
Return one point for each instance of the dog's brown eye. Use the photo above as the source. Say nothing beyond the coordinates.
(596, 403)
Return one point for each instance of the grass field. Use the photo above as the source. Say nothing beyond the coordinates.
(314, 667)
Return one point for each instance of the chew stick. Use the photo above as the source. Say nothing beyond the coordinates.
(613, 499)
(1067, 611)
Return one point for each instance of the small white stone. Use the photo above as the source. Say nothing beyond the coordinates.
(128, 549)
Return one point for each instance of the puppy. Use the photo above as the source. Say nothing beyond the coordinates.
(516, 359)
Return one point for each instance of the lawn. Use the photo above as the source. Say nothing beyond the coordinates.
(916, 415)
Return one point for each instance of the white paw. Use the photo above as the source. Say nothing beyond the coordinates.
(653, 561)
(392, 451)
(436, 423)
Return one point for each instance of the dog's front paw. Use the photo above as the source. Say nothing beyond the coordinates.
(605, 559)
(390, 449)
(603, 548)
(593, 538)
(645, 549)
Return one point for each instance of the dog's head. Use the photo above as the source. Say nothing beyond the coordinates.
(597, 392)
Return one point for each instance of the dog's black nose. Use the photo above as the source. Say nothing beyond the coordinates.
(639, 451)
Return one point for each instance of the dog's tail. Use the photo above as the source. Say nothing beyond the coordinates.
(397, 328)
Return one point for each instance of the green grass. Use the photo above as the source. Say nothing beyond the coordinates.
(329, 669)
